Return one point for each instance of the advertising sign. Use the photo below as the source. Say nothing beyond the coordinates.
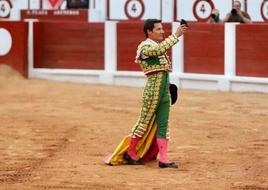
(200, 10)
(264, 10)
(134, 9)
(5, 8)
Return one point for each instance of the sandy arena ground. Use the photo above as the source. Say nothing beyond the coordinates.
(53, 135)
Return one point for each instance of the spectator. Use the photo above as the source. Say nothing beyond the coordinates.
(214, 17)
(237, 15)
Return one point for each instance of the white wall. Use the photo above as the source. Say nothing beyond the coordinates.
(17, 6)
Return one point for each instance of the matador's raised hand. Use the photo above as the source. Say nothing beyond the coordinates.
(181, 29)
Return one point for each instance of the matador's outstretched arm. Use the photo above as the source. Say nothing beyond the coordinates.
(161, 48)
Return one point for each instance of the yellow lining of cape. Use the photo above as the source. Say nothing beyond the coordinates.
(143, 146)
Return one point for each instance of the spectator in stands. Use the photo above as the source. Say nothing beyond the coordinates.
(214, 17)
(237, 15)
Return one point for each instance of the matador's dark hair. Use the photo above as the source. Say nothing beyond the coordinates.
(149, 25)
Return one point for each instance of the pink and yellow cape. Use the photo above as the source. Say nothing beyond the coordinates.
(143, 148)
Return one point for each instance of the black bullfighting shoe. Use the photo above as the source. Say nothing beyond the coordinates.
(167, 165)
(130, 161)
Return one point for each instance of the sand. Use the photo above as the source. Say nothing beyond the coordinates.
(53, 135)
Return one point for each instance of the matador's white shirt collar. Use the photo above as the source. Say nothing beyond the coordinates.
(148, 41)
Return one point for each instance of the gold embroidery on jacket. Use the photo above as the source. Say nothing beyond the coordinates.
(155, 55)
(150, 101)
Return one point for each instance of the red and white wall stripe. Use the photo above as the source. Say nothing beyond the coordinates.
(227, 57)
(13, 45)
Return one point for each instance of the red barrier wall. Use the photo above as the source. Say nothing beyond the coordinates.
(204, 49)
(252, 50)
(81, 46)
(69, 15)
(69, 45)
(17, 57)
(129, 36)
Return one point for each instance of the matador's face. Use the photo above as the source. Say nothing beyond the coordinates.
(157, 34)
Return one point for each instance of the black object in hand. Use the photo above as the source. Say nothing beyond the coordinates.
(234, 12)
(173, 90)
(213, 16)
(184, 22)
